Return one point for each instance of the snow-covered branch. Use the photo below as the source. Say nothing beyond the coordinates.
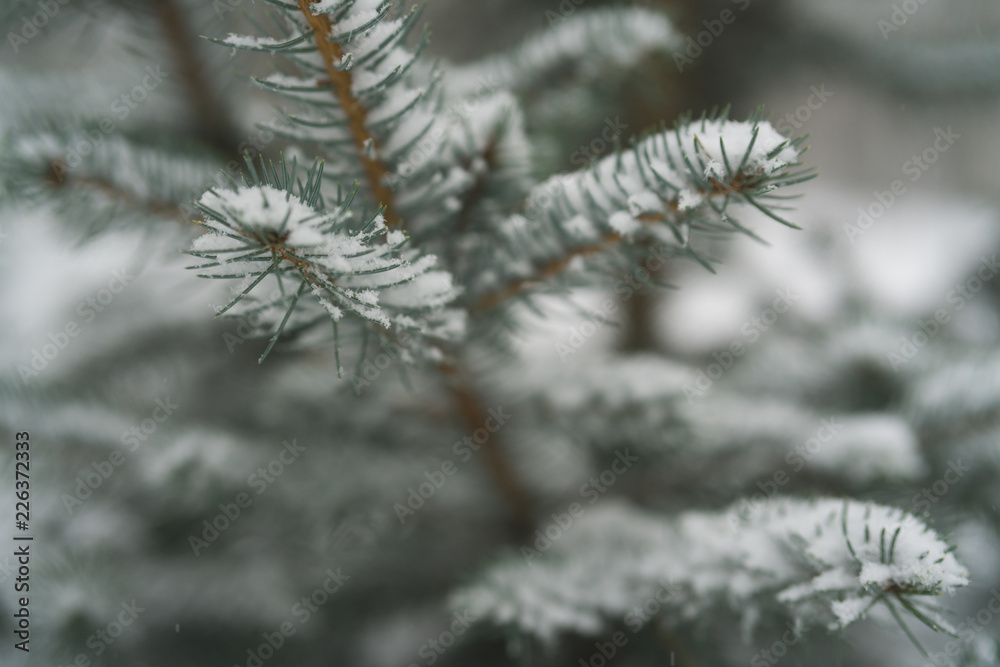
(579, 47)
(101, 179)
(323, 267)
(825, 561)
(354, 83)
(664, 191)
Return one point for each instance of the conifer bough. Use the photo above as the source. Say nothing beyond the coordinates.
(825, 561)
(415, 222)
(366, 106)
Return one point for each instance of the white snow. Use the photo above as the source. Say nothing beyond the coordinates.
(266, 208)
(615, 557)
(620, 188)
(869, 447)
(623, 223)
(581, 40)
(348, 272)
(249, 41)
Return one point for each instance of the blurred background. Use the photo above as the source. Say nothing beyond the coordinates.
(902, 91)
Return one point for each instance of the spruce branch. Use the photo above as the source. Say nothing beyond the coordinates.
(487, 169)
(657, 407)
(580, 48)
(322, 265)
(357, 115)
(119, 180)
(667, 189)
(382, 108)
(60, 176)
(818, 559)
(362, 62)
(542, 275)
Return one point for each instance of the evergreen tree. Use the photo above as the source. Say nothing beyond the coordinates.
(293, 409)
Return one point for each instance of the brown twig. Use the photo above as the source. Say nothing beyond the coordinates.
(357, 114)
(215, 126)
(544, 272)
(556, 266)
(475, 415)
(58, 177)
(471, 409)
